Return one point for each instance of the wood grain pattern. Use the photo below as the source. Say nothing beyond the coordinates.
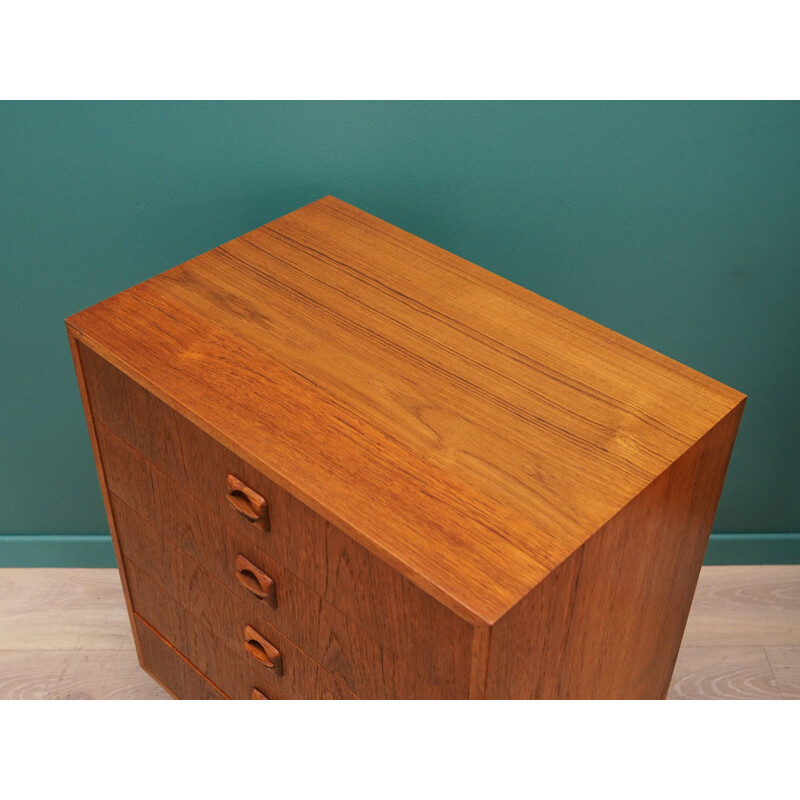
(98, 461)
(171, 669)
(77, 674)
(608, 623)
(459, 539)
(92, 602)
(723, 673)
(417, 629)
(352, 658)
(65, 635)
(225, 663)
(313, 625)
(480, 662)
(62, 609)
(757, 607)
(179, 581)
(202, 465)
(381, 379)
(785, 665)
(512, 499)
(269, 694)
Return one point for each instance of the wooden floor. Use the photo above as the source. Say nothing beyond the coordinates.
(64, 634)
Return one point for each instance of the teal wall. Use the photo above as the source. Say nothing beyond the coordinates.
(677, 224)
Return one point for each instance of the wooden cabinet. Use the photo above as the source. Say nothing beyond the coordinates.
(341, 462)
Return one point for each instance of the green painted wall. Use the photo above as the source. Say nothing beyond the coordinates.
(677, 224)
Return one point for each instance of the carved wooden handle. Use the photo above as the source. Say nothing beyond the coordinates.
(262, 650)
(255, 580)
(250, 504)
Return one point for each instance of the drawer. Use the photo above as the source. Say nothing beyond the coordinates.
(236, 673)
(423, 633)
(223, 614)
(339, 645)
(170, 668)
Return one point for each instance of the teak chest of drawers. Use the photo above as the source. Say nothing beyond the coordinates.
(341, 462)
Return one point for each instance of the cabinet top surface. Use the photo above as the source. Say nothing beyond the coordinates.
(469, 431)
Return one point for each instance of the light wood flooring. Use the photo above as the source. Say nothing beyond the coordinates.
(64, 634)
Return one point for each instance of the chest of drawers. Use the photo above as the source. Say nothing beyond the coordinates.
(340, 462)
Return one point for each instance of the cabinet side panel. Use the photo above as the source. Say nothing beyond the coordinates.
(608, 622)
(101, 475)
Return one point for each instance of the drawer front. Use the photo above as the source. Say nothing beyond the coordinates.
(231, 669)
(430, 638)
(222, 613)
(220, 654)
(209, 606)
(159, 657)
(340, 646)
(171, 669)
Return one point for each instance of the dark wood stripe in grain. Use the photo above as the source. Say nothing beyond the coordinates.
(499, 375)
(450, 417)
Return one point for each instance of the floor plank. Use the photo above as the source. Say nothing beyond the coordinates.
(79, 675)
(785, 663)
(756, 605)
(64, 633)
(723, 673)
(63, 609)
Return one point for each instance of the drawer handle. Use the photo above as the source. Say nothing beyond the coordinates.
(255, 580)
(257, 694)
(251, 505)
(262, 650)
